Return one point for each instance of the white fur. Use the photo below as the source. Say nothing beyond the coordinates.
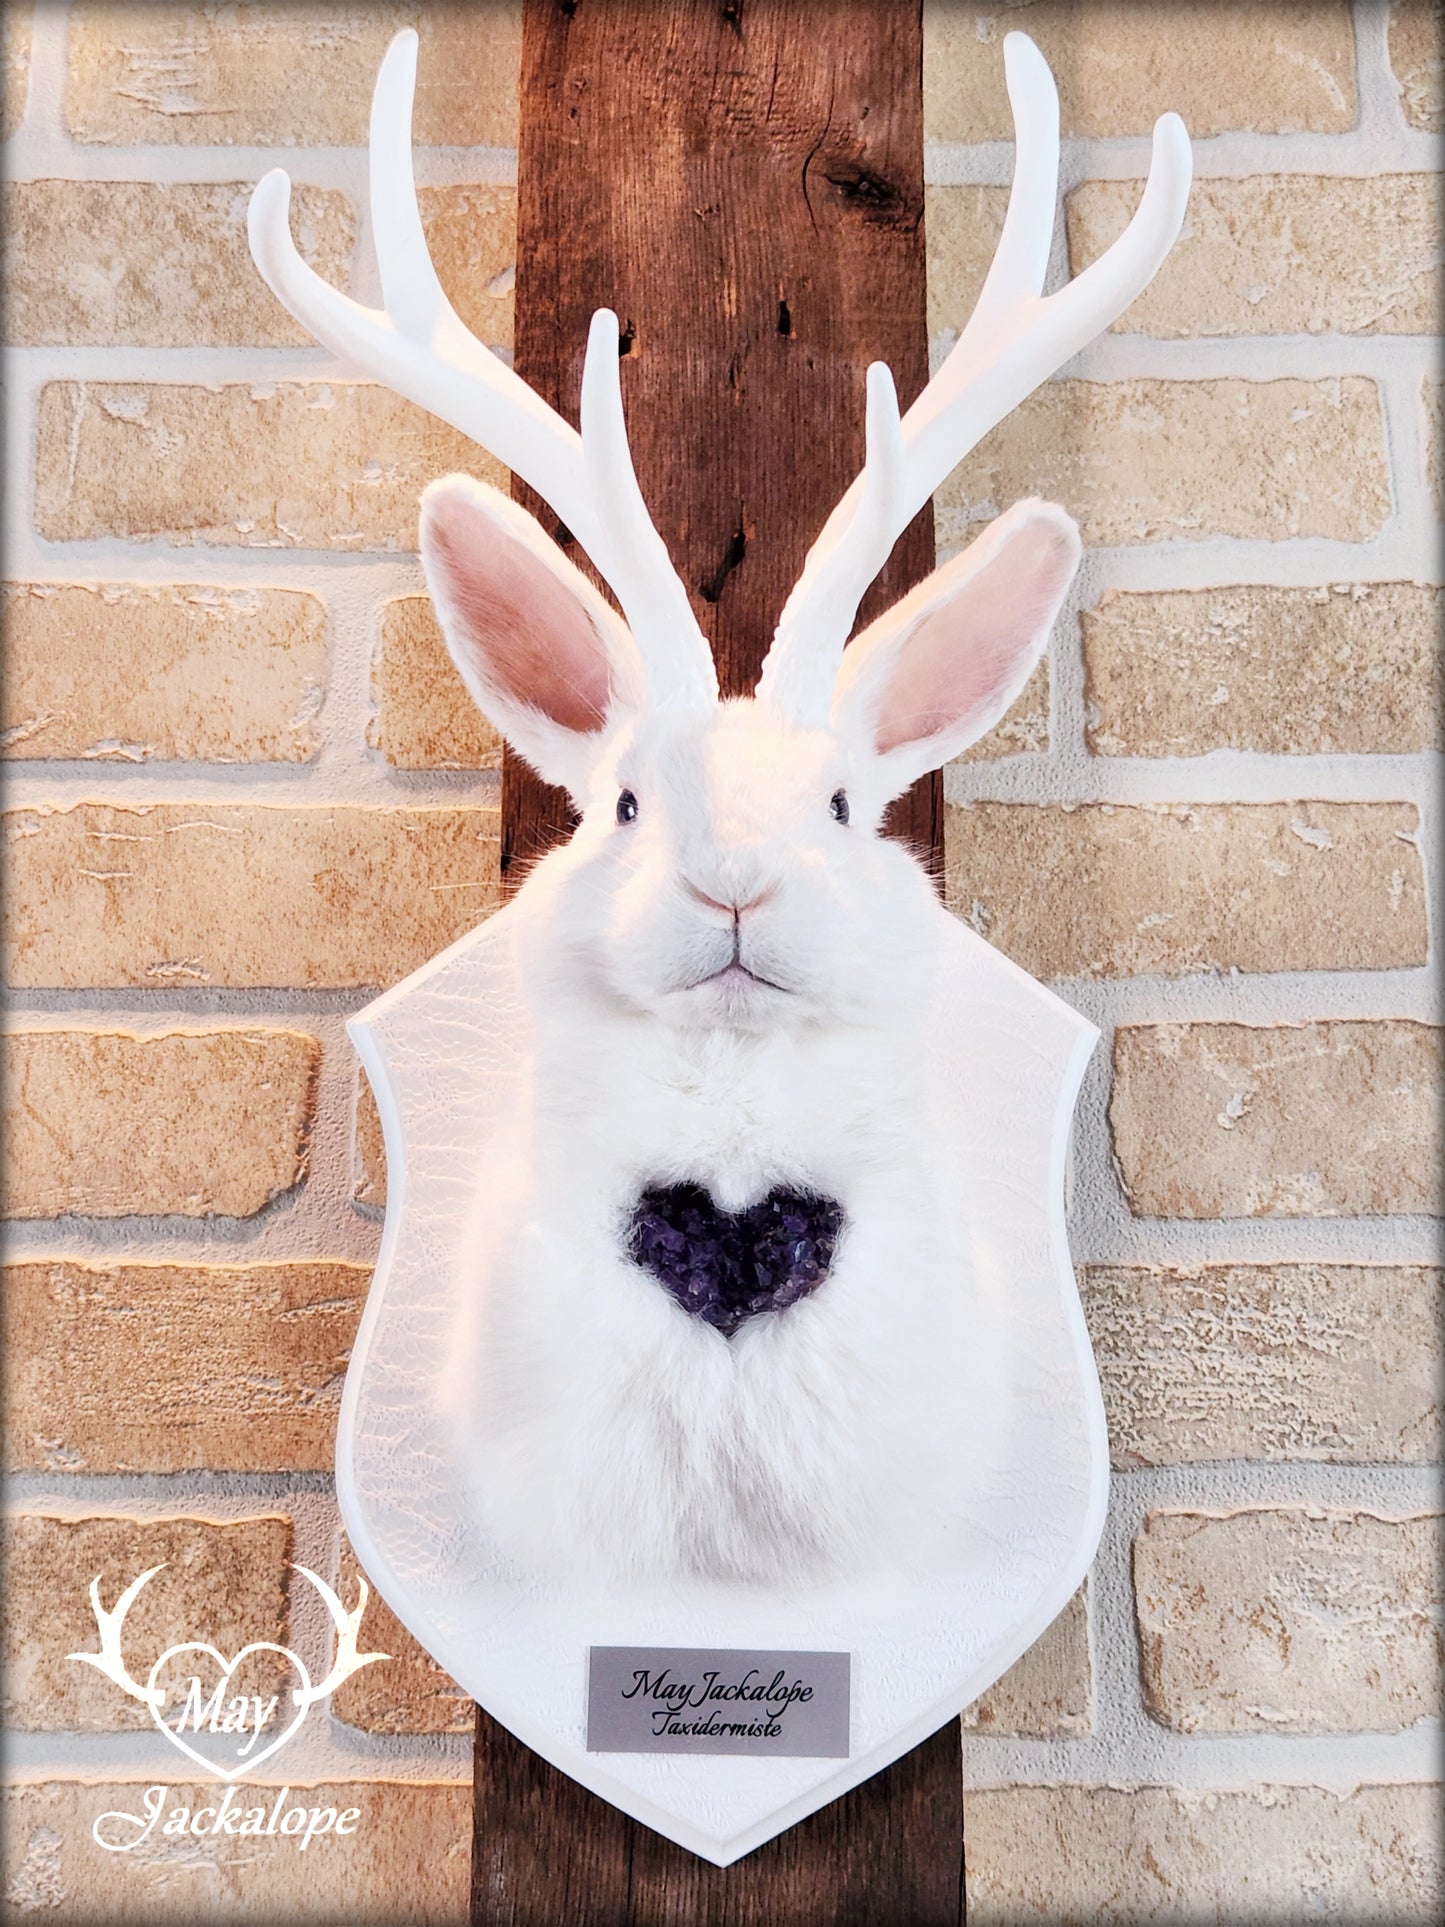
(608, 1430)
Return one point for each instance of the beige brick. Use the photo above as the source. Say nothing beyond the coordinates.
(246, 895)
(1322, 1120)
(190, 674)
(1281, 254)
(1155, 461)
(1341, 1363)
(422, 716)
(1200, 1857)
(95, 262)
(1111, 890)
(1432, 435)
(1050, 1691)
(368, 1152)
(1345, 670)
(243, 1365)
(1282, 1620)
(284, 75)
(318, 465)
(1225, 65)
(472, 233)
(410, 1693)
(226, 1583)
(405, 1861)
(1415, 57)
(1025, 728)
(962, 226)
(190, 1123)
(15, 21)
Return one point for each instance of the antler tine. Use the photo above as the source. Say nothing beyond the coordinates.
(640, 551)
(1096, 298)
(843, 561)
(410, 291)
(1023, 341)
(1021, 258)
(1015, 340)
(418, 346)
(491, 404)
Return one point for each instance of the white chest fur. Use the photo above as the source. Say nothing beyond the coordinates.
(609, 1428)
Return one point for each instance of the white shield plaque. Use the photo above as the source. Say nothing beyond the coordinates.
(445, 1051)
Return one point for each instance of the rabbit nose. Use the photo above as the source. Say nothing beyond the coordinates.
(728, 909)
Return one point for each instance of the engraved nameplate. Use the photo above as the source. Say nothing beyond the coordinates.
(686, 1699)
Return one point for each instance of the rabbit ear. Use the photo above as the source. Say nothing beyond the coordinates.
(942, 666)
(540, 651)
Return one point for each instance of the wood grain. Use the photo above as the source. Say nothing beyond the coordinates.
(545, 1852)
(742, 181)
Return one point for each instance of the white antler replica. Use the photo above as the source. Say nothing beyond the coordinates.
(418, 346)
(1016, 339)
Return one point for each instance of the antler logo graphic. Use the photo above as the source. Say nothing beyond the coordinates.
(241, 1718)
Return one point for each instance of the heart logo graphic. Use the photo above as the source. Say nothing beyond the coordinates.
(725, 1267)
(211, 1701)
(246, 1696)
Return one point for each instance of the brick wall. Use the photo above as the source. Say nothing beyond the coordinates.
(1219, 848)
(246, 789)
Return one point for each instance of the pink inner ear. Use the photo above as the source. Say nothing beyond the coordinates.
(530, 638)
(966, 658)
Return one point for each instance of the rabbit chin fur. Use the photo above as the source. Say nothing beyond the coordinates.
(609, 1432)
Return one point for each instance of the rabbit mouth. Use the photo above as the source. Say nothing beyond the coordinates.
(737, 973)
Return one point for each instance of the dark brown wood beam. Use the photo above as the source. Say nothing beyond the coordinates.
(742, 181)
(547, 1853)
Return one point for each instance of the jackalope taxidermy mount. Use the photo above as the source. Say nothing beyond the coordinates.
(720, 1322)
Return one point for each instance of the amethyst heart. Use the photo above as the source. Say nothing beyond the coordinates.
(727, 1266)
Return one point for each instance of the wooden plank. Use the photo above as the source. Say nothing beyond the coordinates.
(742, 181)
(547, 1852)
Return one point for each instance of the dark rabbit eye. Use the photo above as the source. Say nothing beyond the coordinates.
(626, 807)
(838, 808)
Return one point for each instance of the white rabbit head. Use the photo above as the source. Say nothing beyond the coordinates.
(717, 879)
(729, 867)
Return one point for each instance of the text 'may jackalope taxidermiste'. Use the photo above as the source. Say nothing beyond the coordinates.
(724, 1277)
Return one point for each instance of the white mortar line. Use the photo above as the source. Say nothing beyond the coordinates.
(1358, 154)
(1070, 775)
(1361, 153)
(322, 1751)
(41, 157)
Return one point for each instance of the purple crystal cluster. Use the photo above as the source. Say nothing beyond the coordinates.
(727, 1266)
